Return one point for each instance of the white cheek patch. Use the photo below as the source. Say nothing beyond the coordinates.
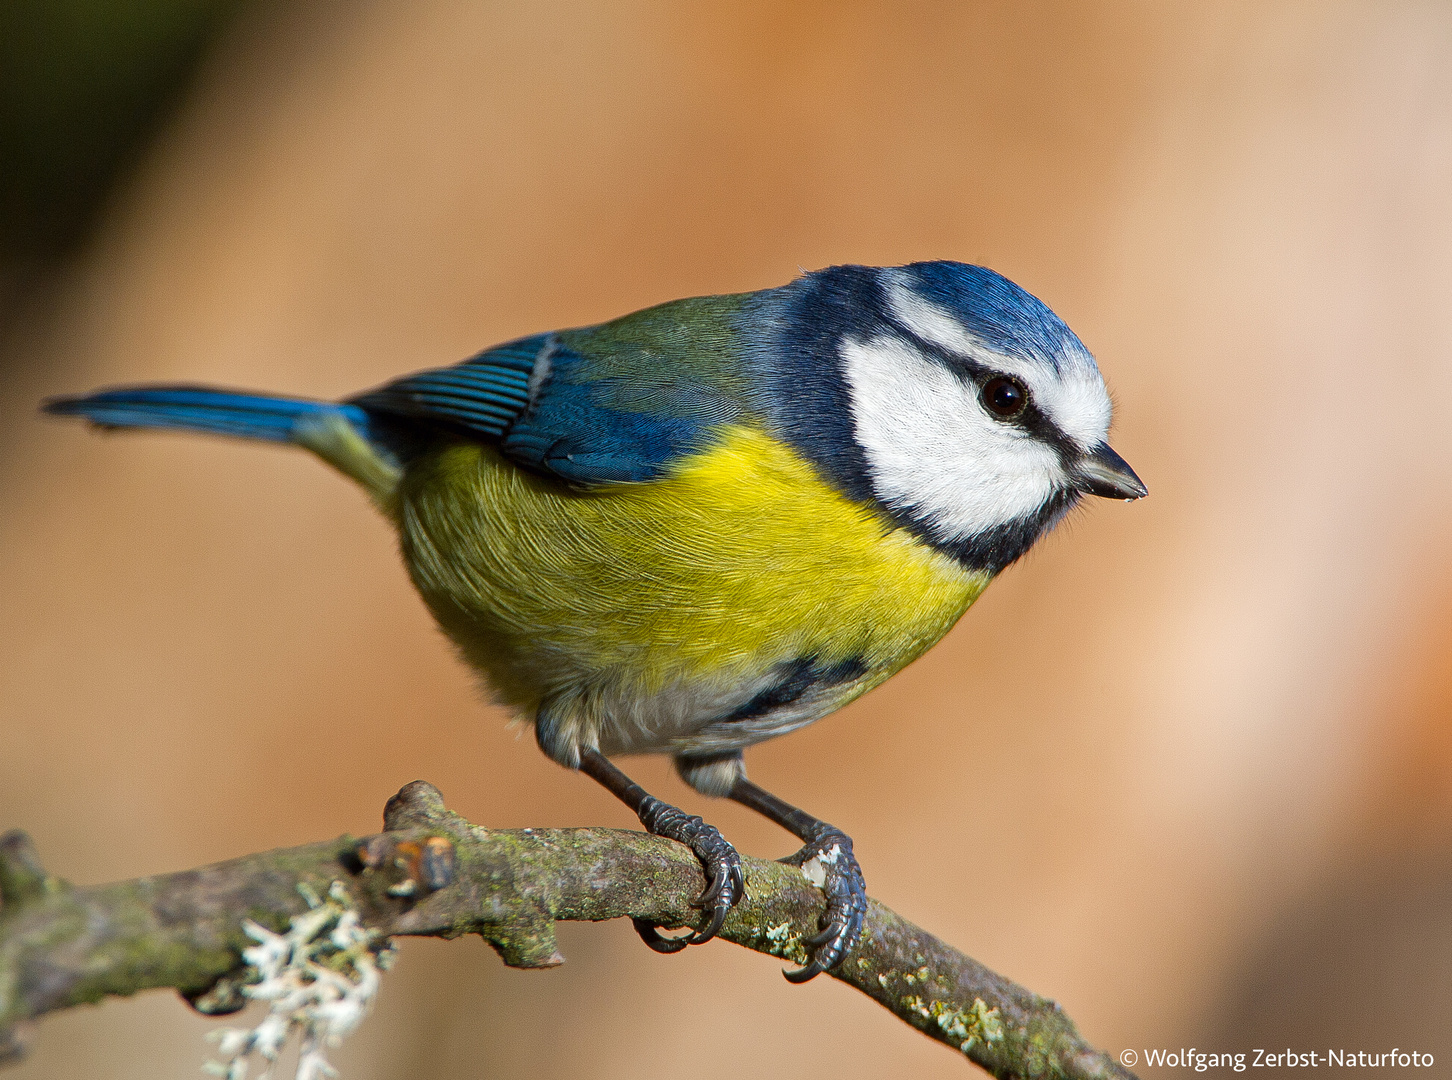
(933, 450)
(1073, 397)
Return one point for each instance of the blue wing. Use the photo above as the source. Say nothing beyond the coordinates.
(483, 396)
(615, 403)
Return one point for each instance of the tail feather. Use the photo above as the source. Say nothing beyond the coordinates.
(341, 435)
(201, 408)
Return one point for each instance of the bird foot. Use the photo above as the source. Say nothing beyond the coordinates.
(828, 862)
(724, 883)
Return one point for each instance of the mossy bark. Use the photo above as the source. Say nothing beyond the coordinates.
(432, 873)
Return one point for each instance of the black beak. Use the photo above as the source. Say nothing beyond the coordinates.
(1104, 473)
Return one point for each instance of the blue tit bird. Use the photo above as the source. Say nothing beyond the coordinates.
(713, 521)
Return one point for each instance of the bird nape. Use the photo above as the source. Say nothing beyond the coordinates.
(714, 521)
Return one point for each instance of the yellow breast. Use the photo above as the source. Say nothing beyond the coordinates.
(741, 559)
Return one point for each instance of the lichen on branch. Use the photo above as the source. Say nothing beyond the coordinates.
(431, 873)
(317, 980)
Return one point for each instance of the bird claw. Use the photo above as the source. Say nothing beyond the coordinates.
(804, 974)
(846, 891)
(652, 937)
(725, 885)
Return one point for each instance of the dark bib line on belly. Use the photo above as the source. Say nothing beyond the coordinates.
(797, 677)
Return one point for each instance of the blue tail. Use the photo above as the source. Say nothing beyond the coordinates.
(202, 408)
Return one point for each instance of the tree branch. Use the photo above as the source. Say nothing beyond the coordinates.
(431, 873)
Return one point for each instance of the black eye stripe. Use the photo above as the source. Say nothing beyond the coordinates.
(975, 373)
(971, 371)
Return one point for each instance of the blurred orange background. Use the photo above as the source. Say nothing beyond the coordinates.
(1186, 769)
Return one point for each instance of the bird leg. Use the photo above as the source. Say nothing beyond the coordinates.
(831, 849)
(724, 884)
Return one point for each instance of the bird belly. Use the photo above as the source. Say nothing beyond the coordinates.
(739, 597)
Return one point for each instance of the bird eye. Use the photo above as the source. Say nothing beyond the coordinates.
(1004, 397)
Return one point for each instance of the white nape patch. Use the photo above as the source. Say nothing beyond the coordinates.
(934, 450)
(1074, 397)
(544, 365)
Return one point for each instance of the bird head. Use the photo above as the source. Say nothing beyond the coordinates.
(977, 418)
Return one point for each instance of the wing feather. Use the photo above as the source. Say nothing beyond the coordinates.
(610, 404)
